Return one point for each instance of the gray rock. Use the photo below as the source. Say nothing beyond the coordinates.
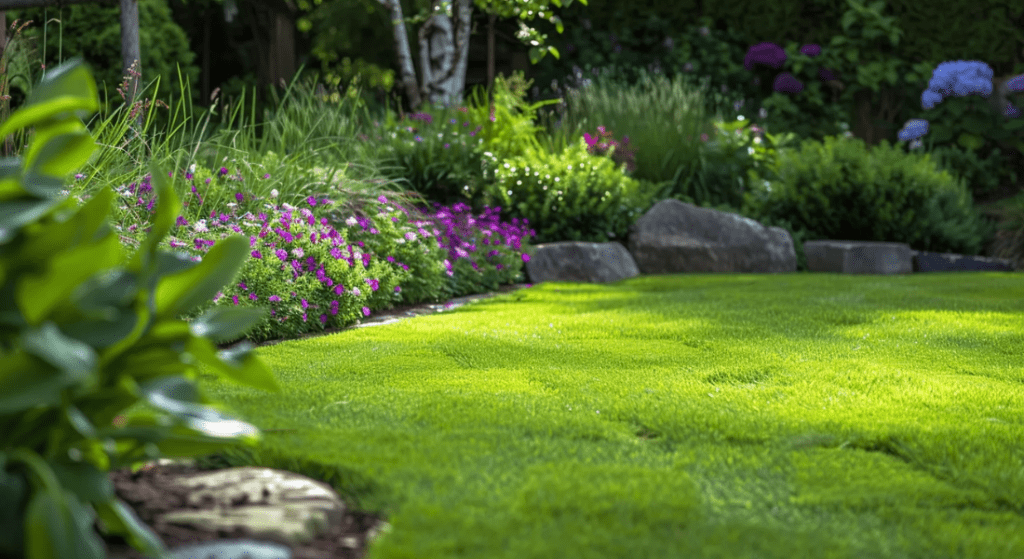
(282, 506)
(675, 237)
(574, 261)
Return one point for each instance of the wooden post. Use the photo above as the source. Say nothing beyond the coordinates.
(130, 52)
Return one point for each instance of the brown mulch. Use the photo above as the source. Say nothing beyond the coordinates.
(148, 493)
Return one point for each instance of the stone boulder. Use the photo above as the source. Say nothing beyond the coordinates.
(675, 237)
(265, 512)
(583, 262)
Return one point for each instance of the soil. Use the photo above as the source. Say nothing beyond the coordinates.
(148, 493)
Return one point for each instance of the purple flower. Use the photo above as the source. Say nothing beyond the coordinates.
(787, 83)
(223, 171)
(768, 54)
(810, 50)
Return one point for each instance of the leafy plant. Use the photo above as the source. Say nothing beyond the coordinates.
(737, 160)
(87, 333)
(956, 85)
(603, 143)
(574, 196)
(839, 189)
(981, 174)
(663, 120)
(437, 156)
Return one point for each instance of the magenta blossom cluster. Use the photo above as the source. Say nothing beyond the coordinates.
(604, 140)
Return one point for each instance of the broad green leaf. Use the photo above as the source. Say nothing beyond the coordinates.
(971, 142)
(63, 154)
(60, 125)
(106, 331)
(49, 532)
(37, 294)
(89, 545)
(24, 386)
(239, 365)
(224, 324)
(80, 229)
(101, 292)
(83, 479)
(17, 213)
(68, 87)
(179, 293)
(48, 343)
(121, 520)
(14, 493)
(42, 186)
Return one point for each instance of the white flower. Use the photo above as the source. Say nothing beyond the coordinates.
(288, 207)
(192, 168)
(200, 226)
(356, 292)
(351, 221)
(273, 193)
(298, 252)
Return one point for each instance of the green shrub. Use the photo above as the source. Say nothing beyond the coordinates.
(92, 32)
(840, 190)
(982, 174)
(435, 155)
(87, 333)
(574, 196)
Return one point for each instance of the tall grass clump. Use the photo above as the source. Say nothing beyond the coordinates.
(663, 120)
(16, 71)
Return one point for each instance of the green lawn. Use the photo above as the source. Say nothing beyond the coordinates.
(699, 415)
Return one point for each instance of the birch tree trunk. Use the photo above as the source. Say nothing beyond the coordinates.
(408, 74)
(444, 53)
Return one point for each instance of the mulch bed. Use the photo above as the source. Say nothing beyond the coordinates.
(149, 494)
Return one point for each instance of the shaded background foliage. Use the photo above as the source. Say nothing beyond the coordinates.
(218, 44)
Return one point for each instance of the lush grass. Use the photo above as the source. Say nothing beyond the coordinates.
(704, 415)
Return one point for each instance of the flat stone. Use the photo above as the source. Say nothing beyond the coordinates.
(949, 262)
(858, 257)
(675, 237)
(574, 261)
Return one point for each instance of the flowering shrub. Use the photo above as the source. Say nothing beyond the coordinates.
(605, 144)
(959, 79)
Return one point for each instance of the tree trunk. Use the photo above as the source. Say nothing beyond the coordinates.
(408, 73)
(130, 52)
(444, 55)
(875, 122)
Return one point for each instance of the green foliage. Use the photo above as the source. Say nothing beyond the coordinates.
(93, 32)
(736, 160)
(663, 120)
(507, 125)
(841, 190)
(980, 173)
(574, 196)
(436, 154)
(87, 333)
